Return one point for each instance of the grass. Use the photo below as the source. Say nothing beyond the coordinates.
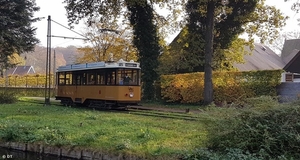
(145, 136)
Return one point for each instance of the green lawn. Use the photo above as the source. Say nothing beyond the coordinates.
(118, 132)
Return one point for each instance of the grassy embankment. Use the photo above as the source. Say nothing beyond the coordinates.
(145, 136)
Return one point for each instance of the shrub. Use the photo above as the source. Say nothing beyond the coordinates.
(27, 92)
(232, 154)
(262, 102)
(15, 131)
(228, 86)
(8, 97)
(270, 133)
(25, 81)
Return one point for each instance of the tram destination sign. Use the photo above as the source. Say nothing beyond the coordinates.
(130, 65)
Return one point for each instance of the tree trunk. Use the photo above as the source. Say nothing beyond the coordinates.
(208, 84)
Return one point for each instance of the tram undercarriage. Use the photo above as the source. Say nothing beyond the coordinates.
(101, 104)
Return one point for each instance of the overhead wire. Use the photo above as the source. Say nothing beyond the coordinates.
(85, 38)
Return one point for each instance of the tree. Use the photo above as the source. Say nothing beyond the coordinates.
(16, 32)
(295, 6)
(104, 41)
(209, 49)
(186, 52)
(147, 42)
(231, 19)
(16, 59)
(237, 15)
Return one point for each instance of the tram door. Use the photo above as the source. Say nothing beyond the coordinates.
(80, 81)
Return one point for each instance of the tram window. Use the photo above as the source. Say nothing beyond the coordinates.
(83, 79)
(69, 78)
(120, 77)
(128, 77)
(61, 78)
(78, 78)
(134, 77)
(100, 78)
(91, 78)
(74, 78)
(110, 77)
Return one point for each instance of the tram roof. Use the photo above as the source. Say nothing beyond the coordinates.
(99, 65)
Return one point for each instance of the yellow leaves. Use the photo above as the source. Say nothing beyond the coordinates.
(89, 54)
(228, 86)
(25, 81)
(106, 38)
(16, 59)
(186, 45)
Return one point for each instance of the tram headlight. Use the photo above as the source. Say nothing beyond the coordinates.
(130, 95)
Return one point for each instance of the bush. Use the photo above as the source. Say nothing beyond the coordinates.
(14, 131)
(36, 80)
(8, 97)
(27, 92)
(18, 131)
(270, 133)
(261, 102)
(232, 154)
(228, 86)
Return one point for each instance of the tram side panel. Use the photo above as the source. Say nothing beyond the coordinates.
(109, 93)
(123, 93)
(65, 92)
(78, 94)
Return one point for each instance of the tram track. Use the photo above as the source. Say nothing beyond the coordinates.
(136, 110)
(154, 112)
(163, 114)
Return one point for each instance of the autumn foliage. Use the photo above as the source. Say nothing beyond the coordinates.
(228, 86)
(36, 80)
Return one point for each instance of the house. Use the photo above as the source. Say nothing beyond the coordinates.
(289, 46)
(20, 70)
(291, 56)
(263, 58)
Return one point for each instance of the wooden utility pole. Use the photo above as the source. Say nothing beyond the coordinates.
(48, 65)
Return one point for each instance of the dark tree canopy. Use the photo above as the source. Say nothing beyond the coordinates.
(79, 9)
(226, 29)
(16, 33)
(147, 42)
(231, 20)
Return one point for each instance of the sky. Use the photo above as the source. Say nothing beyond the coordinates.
(55, 9)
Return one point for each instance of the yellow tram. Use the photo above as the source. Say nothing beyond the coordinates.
(99, 84)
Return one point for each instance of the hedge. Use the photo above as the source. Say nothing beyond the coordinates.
(36, 80)
(228, 86)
